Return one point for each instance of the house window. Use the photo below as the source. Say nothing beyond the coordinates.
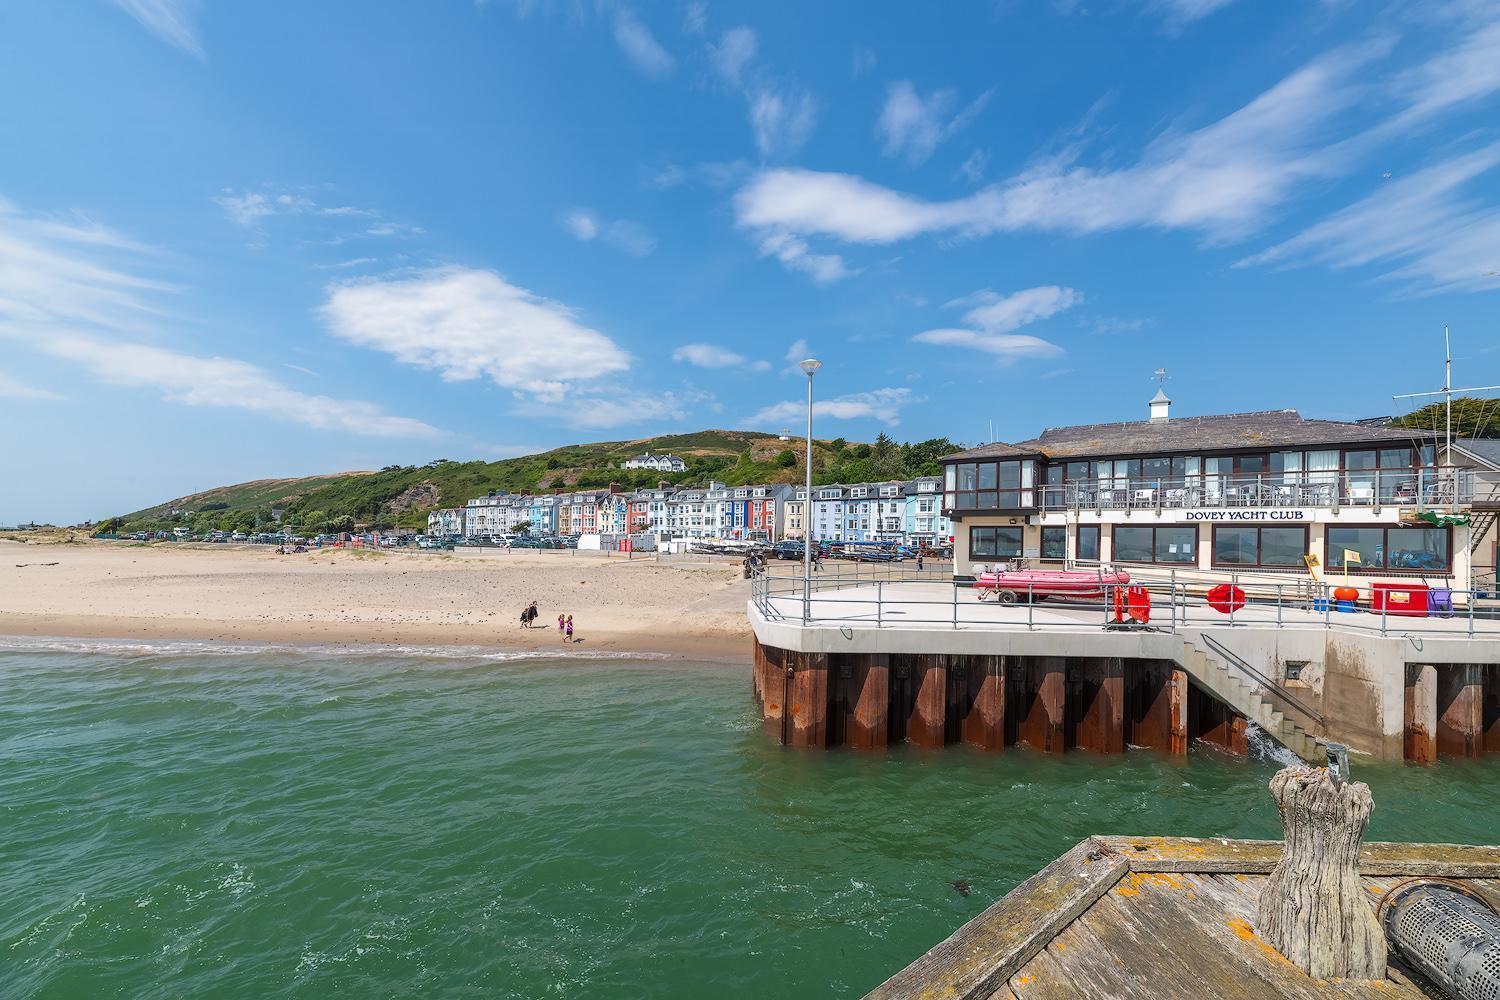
(1156, 545)
(1055, 544)
(991, 486)
(1390, 548)
(994, 543)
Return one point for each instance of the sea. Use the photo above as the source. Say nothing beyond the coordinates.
(210, 820)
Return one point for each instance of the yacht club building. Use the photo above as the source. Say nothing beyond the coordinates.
(1256, 495)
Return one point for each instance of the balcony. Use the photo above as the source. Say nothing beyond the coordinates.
(1432, 487)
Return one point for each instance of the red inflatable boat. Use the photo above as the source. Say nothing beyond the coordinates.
(1008, 588)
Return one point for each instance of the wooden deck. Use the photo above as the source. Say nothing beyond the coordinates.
(1150, 918)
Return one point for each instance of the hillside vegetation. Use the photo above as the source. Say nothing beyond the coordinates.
(402, 496)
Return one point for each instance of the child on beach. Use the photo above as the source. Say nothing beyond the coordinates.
(568, 636)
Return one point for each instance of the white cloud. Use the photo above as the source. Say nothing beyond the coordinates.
(172, 21)
(781, 119)
(641, 47)
(581, 224)
(797, 352)
(466, 324)
(1221, 179)
(991, 320)
(1182, 12)
(246, 208)
(713, 356)
(733, 54)
(695, 18)
(1463, 74)
(617, 408)
(883, 405)
(14, 388)
(915, 125)
(863, 61)
(794, 254)
(226, 383)
(622, 234)
(63, 294)
(1422, 228)
(973, 166)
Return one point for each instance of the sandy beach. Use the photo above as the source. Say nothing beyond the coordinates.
(686, 606)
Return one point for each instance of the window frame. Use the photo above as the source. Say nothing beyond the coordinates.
(1385, 549)
(1114, 551)
(1042, 546)
(1213, 546)
(975, 553)
(1098, 530)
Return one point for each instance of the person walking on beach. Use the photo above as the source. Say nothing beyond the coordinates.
(531, 614)
(919, 560)
(561, 621)
(568, 636)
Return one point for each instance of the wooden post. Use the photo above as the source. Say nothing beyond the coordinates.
(1158, 706)
(1419, 731)
(1043, 705)
(1097, 687)
(867, 724)
(928, 724)
(1313, 907)
(808, 698)
(984, 715)
(1460, 708)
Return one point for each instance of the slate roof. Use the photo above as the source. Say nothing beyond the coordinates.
(1217, 432)
(1487, 450)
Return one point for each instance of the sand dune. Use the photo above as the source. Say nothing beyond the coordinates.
(687, 605)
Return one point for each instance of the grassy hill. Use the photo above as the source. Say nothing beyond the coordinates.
(403, 495)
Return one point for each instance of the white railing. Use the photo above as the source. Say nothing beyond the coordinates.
(894, 595)
(1434, 487)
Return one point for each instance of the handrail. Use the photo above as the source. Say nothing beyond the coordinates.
(1227, 655)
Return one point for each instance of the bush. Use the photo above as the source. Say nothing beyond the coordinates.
(787, 458)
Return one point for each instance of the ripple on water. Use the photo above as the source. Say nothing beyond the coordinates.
(283, 821)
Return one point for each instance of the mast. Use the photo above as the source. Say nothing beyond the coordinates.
(1447, 392)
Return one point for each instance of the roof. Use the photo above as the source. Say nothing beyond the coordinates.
(995, 449)
(1487, 450)
(1215, 432)
(1145, 917)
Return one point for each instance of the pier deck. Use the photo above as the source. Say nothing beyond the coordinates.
(1147, 917)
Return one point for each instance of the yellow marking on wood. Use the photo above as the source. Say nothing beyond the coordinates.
(1245, 932)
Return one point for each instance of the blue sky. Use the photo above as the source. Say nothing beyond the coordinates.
(249, 240)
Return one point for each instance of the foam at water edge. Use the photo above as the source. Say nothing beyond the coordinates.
(1262, 747)
(198, 647)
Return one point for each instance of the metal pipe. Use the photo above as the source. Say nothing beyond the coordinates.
(810, 366)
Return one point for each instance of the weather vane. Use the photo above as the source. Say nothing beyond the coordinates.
(1161, 376)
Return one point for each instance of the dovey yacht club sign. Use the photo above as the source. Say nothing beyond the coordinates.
(1292, 514)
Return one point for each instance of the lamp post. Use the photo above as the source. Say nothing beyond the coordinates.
(810, 366)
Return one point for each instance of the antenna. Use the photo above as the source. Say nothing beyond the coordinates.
(1447, 392)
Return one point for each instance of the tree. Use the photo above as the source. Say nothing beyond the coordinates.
(838, 444)
(786, 458)
(1472, 417)
(522, 527)
(884, 446)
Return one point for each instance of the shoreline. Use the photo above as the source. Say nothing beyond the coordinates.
(689, 610)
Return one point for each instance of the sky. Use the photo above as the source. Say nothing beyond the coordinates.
(240, 241)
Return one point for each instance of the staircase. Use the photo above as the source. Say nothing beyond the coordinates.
(1479, 527)
(1236, 684)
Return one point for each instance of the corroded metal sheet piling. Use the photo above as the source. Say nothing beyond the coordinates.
(1096, 689)
(983, 708)
(1419, 732)
(1157, 702)
(1460, 707)
(1041, 709)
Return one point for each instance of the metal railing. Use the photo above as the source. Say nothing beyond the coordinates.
(885, 596)
(1265, 683)
(1431, 487)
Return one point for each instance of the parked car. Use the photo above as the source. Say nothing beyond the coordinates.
(789, 549)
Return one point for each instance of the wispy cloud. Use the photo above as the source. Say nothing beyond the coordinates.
(991, 320)
(622, 234)
(714, 356)
(782, 114)
(466, 323)
(733, 53)
(1179, 13)
(863, 61)
(173, 21)
(883, 405)
(914, 126)
(69, 291)
(1423, 229)
(14, 388)
(794, 254)
(641, 47)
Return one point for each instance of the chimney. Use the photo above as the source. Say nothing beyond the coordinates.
(662, 484)
(557, 491)
(614, 488)
(1160, 404)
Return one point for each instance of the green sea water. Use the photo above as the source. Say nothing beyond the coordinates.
(195, 822)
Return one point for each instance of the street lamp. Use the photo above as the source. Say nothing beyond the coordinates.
(810, 366)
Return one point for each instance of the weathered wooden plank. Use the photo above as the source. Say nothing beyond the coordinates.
(1044, 979)
(1192, 854)
(991, 948)
(1460, 709)
(1106, 957)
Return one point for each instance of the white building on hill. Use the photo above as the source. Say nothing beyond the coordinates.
(657, 463)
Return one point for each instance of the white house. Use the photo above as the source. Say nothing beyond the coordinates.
(657, 463)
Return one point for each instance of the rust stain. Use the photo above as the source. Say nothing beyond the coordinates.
(774, 707)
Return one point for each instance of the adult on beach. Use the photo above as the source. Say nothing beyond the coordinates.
(568, 634)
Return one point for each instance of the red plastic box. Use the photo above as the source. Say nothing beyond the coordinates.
(1407, 600)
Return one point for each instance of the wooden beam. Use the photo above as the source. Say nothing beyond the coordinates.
(1096, 687)
(1460, 710)
(1042, 706)
(984, 703)
(1419, 728)
(1222, 855)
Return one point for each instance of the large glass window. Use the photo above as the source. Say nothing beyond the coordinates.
(1390, 548)
(991, 486)
(1270, 547)
(1159, 545)
(1055, 544)
(1087, 547)
(995, 543)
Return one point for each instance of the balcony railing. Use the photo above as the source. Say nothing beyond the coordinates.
(1434, 487)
